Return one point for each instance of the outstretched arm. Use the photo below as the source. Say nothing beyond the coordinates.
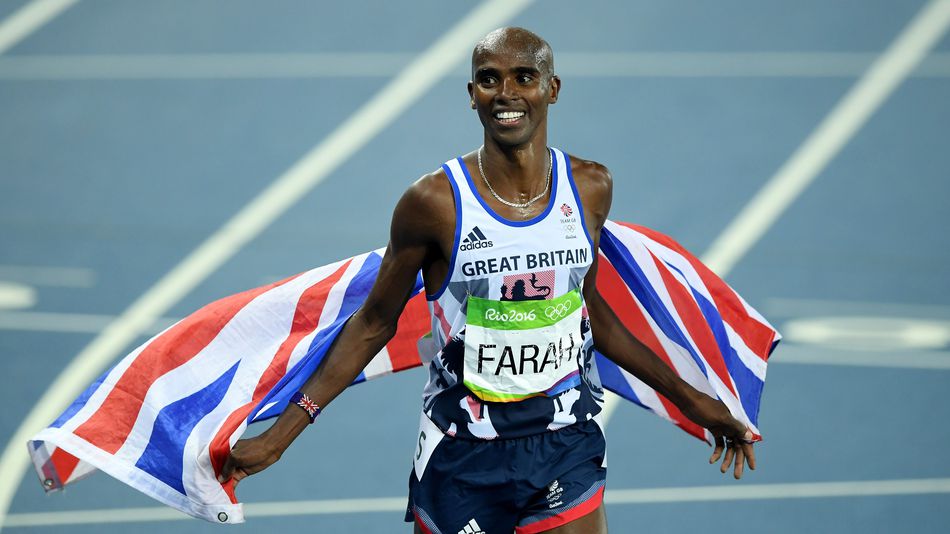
(613, 340)
(412, 236)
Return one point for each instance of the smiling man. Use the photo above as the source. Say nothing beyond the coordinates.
(506, 238)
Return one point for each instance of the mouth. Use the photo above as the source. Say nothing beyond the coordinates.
(509, 117)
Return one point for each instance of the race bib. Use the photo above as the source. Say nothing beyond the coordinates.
(520, 349)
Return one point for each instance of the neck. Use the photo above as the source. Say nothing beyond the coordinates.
(518, 170)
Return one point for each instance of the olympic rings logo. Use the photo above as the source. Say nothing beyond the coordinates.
(559, 311)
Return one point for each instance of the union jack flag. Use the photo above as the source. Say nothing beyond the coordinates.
(164, 419)
(690, 318)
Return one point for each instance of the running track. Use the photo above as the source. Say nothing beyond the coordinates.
(131, 131)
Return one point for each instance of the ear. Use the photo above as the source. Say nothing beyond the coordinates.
(471, 94)
(554, 88)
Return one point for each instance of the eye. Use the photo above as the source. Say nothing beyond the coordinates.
(525, 78)
(488, 79)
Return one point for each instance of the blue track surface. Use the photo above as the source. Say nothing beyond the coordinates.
(123, 178)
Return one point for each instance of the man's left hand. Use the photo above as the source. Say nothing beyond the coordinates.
(729, 433)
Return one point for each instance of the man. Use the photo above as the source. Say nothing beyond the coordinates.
(509, 438)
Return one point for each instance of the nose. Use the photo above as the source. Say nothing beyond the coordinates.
(509, 89)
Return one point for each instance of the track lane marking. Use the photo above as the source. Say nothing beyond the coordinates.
(791, 307)
(49, 276)
(29, 18)
(796, 354)
(730, 492)
(69, 323)
(604, 64)
(834, 132)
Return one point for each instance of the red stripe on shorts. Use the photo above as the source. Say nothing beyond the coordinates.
(576, 512)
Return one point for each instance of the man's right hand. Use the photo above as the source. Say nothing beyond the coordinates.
(253, 455)
(249, 456)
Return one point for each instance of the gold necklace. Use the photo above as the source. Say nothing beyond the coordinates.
(521, 206)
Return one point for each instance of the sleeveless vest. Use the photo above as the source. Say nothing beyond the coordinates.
(517, 354)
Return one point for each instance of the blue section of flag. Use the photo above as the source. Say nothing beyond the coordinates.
(163, 457)
(79, 402)
(611, 377)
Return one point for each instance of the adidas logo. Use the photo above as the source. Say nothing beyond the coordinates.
(475, 240)
(472, 527)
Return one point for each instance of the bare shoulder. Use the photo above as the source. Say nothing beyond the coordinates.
(432, 187)
(428, 197)
(594, 184)
(590, 174)
(424, 209)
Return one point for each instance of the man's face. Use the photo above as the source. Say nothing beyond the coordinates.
(511, 93)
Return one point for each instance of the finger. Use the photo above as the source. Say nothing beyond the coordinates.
(740, 463)
(717, 452)
(749, 455)
(226, 470)
(247, 470)
(239, 475)
(727, 460)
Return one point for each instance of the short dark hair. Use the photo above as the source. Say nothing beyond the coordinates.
(521, 38)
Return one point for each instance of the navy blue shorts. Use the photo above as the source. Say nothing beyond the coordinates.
(525, 485)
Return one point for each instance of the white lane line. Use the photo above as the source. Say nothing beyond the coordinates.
(386, 64)
(816, 307)
(818, 149)
(808, 490)
(614, 497)
(834, 132)
(68, 323)
(204, 66)
(349, 137)
(895, 359)
(28, 19)
(733, 64)
(48, 276)
(14, 295)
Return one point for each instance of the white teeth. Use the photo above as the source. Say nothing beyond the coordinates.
(509, 115)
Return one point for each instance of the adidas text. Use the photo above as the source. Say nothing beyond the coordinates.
(476, 239)
(476, 245)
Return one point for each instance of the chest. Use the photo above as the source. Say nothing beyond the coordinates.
(479, 227)
(508, 261)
